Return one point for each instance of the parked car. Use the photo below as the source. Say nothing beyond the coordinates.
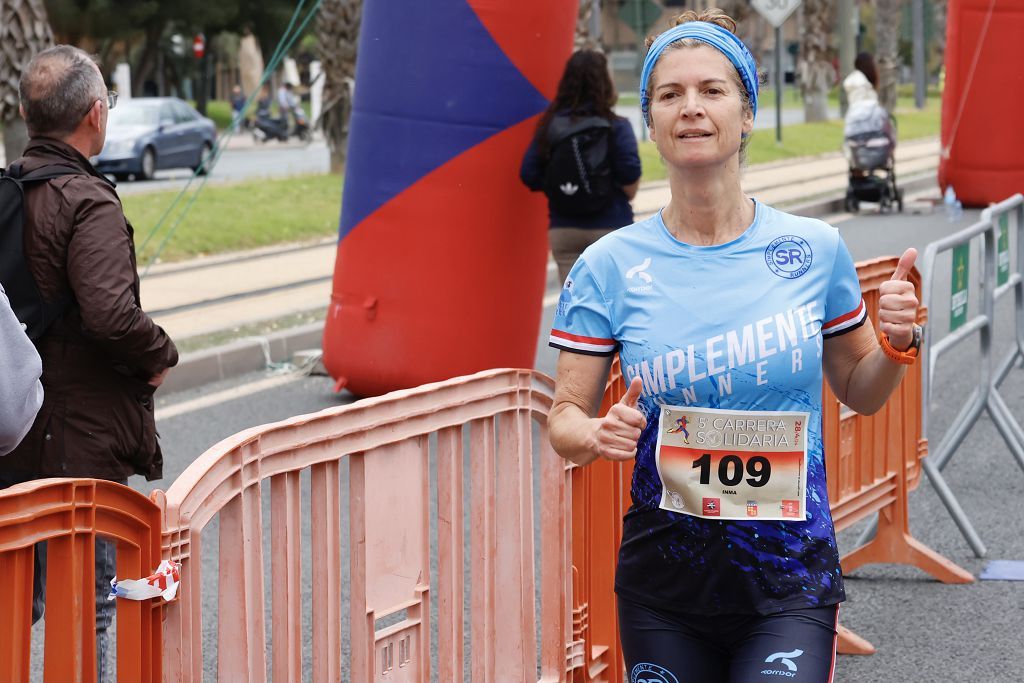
(146, 134)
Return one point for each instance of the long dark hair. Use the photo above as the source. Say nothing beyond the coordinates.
(586, 89)
(865, 64)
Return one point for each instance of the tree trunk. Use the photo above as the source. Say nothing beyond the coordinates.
(887, 30)
(584, 25)
(941, 8)
(15, 138)
(148, 61)
(337, 35)
(815, 66)
(24, 31)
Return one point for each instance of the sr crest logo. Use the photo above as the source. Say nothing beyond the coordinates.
(789, 256)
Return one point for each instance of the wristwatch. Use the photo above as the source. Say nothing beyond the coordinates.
(907, 357)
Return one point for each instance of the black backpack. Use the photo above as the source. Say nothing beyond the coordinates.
(35, 314)
(578, 175)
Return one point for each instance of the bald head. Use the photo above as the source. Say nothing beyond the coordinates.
(57, 89)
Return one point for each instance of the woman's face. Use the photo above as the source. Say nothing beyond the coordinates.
(697, 113)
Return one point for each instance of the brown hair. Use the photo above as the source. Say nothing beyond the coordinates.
(586, 89)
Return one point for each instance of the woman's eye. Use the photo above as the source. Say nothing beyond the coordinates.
(713, 91)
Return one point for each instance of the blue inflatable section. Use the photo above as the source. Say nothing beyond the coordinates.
(413, 86)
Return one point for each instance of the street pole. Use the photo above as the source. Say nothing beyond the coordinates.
(920, 78)
(778, 84)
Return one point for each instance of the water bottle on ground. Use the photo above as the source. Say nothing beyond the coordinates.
(954, 209)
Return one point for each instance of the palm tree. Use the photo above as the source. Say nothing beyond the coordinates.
(24, 31)
(887, 31)
(815, 68)
(337, 35)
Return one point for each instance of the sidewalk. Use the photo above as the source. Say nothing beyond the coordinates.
(219, 294)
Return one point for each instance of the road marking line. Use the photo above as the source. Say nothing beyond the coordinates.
(177, 409)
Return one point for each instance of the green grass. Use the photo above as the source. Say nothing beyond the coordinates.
(809, 139)
(238, 216)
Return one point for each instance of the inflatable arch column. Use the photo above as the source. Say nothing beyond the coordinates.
(442, 253)
(982, 154)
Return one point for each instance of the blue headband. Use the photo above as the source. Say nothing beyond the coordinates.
(717, 37)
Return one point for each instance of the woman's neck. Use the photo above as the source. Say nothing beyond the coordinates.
(708, 206)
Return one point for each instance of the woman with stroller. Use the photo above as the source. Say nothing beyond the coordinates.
(869, 139)
(582, 107)
(727, 312)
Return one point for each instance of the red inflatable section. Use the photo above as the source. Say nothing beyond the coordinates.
(447, 276)
(982, 136)
(458, 295)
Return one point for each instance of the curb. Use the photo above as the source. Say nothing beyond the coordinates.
(240, 357)
(257, 353)
(823, 206)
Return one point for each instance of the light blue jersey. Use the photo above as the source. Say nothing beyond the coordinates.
(736, 326)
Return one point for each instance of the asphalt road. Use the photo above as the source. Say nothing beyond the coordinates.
(924, 631)
(243, 160)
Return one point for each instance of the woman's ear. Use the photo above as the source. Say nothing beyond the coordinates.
(748, 121)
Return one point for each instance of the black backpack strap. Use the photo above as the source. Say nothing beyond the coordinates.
(43, 173)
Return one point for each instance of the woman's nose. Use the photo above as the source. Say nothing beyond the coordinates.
(692, 105)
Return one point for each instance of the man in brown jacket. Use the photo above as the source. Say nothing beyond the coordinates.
(104, 357)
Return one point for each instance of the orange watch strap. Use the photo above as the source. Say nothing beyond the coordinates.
(908, 357)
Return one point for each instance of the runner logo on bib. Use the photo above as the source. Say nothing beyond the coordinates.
(733, 464)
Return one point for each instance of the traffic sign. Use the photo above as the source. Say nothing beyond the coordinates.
(199, 45)
(775, 11)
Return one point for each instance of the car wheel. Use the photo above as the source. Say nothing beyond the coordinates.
(204, 153)
(148, 164)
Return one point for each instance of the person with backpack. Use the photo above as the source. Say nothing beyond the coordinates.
(585, 160)
(102, 355)
(21, 392)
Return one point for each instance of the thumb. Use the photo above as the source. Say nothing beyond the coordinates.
(632, 394)
(905, 264)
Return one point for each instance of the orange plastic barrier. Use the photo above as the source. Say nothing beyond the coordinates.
(872, 464)
(69, 514)
(488, 435)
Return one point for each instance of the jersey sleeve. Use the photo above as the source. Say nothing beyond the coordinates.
(582, 320)
(844, 303)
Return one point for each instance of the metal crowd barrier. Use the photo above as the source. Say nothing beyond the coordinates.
(985, 396)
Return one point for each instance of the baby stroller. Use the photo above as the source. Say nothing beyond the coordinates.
(869, 140)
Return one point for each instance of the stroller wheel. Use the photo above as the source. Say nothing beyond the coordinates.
(851, 204)
(899, 200)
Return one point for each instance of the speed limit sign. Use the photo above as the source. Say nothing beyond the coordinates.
(775, 11)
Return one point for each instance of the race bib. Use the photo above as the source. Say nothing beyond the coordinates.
(733, 464)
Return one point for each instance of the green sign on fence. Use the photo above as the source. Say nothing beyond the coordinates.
(1003, 251)
(958, 300)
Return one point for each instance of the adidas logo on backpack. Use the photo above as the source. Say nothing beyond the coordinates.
(578, 174)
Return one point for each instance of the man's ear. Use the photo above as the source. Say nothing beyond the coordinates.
(95, 115)
(21, 110)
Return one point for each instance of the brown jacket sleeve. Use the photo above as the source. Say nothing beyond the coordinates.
(102, 275)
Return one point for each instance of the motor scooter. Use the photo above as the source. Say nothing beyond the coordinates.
(267, 127)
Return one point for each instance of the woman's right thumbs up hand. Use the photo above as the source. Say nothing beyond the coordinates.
(618, 432)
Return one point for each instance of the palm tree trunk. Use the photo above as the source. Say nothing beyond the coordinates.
(815, 67)
(887, 30)
(24, 31)
(337, 34)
